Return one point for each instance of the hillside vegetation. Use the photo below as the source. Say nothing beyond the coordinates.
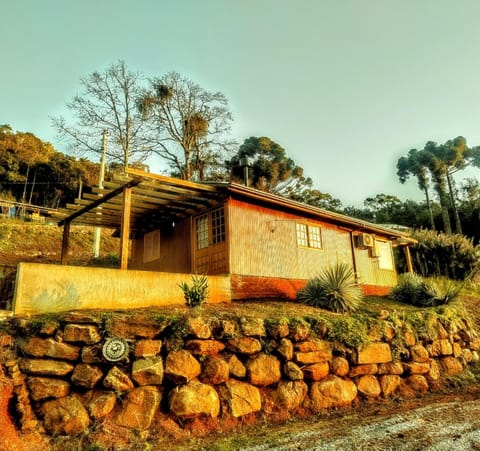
(22, 241)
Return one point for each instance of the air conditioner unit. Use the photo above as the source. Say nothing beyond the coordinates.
(365, 240)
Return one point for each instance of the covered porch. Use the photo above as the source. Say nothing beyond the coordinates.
(132, 205)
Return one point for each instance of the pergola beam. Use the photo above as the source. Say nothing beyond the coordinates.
(125, 227)
(100, 201)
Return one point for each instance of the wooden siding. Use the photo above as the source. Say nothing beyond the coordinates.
(175, 254)
(368, 271)
(263, 242)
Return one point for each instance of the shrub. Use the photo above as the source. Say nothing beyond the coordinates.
(441, 254)
(196, 293)
(333, 289)
(414, 290)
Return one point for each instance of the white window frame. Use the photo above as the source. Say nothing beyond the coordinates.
(384, 253)
(309, 235)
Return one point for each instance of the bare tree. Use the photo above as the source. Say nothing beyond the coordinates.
(189, 126)
(107, 102)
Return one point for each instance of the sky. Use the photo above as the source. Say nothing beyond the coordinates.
(347, 87)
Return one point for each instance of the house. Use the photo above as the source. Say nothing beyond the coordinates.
(250, 243)
(268, 245)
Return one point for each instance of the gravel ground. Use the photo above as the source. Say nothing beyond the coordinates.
(447, 424)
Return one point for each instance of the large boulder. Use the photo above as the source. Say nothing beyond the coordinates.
(193, 400)
(245, 345)
(99, 403)
(48, 347)
(334, 392)
(148, 371)
(65, 416)
(241, 397)
(85, 375)
(82, 333)
(290, 395)
(47, 387)
(181, 367)
(368, 386)
(139, 407)
(374, 353)
(215, 371)
(263, 370)
(117, 380)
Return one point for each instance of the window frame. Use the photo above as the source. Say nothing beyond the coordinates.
(384, 255)
(213, 231)
(309, 235)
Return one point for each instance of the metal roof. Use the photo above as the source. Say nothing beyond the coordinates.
(158, 199)
(155, 200)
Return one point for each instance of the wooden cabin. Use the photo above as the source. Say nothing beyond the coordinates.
(268, 245)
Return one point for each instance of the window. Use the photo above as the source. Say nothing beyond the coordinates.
(314, 237)
(218, 226)
(151, 246)
(302, 235)
(202, 232)
(384, 253)
(309, 236)
(210, 228)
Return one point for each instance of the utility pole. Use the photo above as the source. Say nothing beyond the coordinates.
(101, 177)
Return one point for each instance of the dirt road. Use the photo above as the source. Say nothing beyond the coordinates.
(448, 423)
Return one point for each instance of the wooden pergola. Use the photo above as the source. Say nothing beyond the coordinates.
(136, 202)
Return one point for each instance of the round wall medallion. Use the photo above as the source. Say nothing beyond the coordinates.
(115, 349)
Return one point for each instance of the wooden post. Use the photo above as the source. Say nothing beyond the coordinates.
(65, 243)
(125, 227)
(408, 257)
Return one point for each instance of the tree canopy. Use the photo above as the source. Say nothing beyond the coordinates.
(269, 167)
(32, 171)
(169, 116)
(435, 165)
(107, 102)
(189, 126)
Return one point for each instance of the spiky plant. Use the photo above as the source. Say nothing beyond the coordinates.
(409, 289)
(196, 293)
(333, 289)
(414, 290)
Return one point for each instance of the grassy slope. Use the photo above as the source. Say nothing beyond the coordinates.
(28, 241)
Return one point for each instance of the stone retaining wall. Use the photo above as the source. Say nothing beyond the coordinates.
(68, 373)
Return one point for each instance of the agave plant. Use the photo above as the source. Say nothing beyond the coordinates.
(409, 289)
(333, 289)
(414, 290)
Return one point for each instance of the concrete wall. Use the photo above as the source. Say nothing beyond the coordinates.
(42, 288)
